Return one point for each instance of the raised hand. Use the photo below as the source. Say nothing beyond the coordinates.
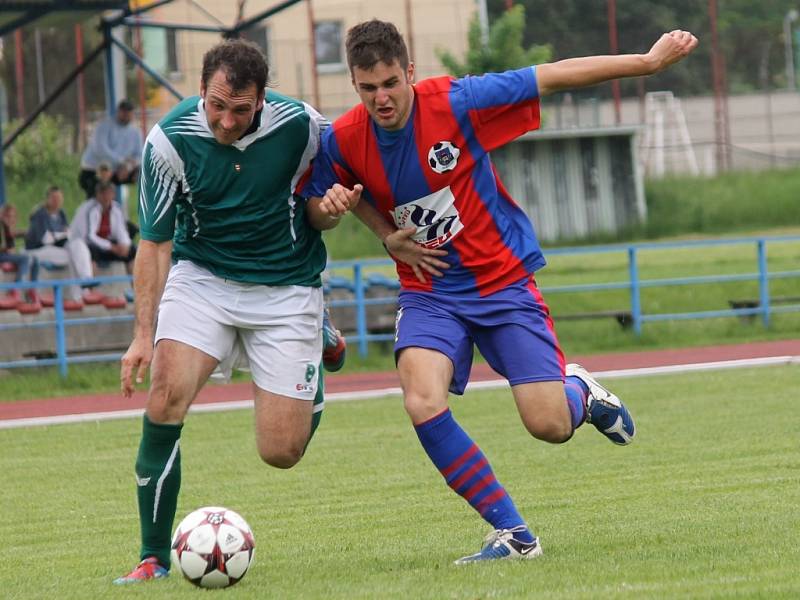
(671, 48)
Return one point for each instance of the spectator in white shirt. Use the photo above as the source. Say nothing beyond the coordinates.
(101, 224)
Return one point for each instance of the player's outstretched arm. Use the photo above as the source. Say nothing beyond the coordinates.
(590, 70)
(400, 245)
(150, 271)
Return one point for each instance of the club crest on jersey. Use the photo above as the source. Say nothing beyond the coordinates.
(443, 156)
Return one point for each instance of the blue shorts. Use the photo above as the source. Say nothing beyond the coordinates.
(512, 329)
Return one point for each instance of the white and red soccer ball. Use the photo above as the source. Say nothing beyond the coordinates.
(213, 547)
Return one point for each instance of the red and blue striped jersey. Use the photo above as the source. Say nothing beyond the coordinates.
(436, 175)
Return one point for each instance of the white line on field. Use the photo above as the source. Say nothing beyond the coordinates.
(395, 391)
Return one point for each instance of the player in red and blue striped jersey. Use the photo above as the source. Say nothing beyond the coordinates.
(466, 253)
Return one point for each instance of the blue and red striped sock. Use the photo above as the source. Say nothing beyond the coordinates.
(577, 392)
(468, 473)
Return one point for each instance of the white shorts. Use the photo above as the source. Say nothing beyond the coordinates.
(276, 332)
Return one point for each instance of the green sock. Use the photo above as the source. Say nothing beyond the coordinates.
(319, 401)
(158, 481)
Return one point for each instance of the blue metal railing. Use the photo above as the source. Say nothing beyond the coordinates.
(634, 284)
(358, 284)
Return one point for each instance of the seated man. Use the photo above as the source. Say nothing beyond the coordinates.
(99, 222)
(25, 265)
(48, 240)
(116, 142)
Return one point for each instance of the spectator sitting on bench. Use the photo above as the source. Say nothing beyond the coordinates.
(100, 223)
(116, 142)
(25, 264)
(49, 241)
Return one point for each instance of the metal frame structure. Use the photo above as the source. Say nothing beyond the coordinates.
(18, 13)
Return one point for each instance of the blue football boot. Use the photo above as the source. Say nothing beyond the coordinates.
(501, 544)
(604, 410)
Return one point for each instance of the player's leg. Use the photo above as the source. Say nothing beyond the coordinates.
(191, 339)
(283, 427)
(334, 347)
(434, 354)
(284, 354)
(178, 372)
(520, 343)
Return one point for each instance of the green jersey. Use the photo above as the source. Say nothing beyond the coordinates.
(232, 209)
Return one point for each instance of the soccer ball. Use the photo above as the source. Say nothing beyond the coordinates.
(213, 547)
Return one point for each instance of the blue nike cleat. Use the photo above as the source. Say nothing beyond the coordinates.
(334, 348)
(501, 544)
(604, 410)
(148, 569)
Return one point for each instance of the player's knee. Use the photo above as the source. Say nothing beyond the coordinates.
(421, 407)
(164, 404)
(281, 458)
(552, 430)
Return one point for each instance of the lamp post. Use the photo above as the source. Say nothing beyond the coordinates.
(790, 18)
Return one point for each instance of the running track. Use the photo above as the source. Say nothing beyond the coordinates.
(361, 385)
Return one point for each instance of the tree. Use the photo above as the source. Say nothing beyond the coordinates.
(504, 50)
(750, 37)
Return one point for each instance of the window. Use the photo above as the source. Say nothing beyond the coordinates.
(160, 50)
(172, 51)
(328, 42)
(259, 35)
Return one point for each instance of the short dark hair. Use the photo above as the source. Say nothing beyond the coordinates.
(102, 186)
(52, 189)
(375, 41)
(125, 104)
(242, 62)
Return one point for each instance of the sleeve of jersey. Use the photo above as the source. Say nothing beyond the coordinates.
(502, 106)
(158, 187)
(327, 168)
(316, 128)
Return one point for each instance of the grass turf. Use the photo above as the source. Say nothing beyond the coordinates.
(703, 505)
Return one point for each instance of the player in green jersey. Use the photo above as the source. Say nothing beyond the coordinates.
(230, 259)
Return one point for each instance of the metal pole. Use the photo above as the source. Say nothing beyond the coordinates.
(19, 74)
(111, 99)
(613, 43)
(61, 336)
(80, 87)
(721, 125)
(137, 36)
(312, 31)
(636, 299)
(410, 29)
(2, 174)
(790, 17)
(37, 40)
(361, 310)
(763, 282)
(483, 19)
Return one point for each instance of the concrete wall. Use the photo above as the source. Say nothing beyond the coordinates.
(764, 128)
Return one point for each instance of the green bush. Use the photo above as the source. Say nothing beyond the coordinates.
(37, 159)
(728, 203)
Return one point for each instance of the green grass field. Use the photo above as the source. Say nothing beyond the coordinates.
(703, 505)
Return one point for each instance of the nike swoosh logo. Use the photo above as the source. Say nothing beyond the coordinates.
(528, 549)
(142, 481)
